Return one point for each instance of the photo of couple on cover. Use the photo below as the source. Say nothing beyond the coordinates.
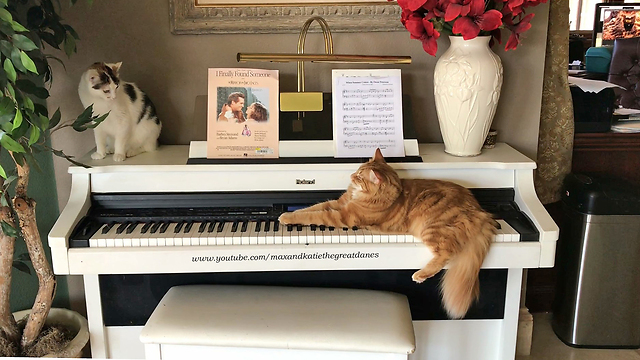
(239, 104)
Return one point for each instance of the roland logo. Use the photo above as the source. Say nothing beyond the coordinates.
(305, 182)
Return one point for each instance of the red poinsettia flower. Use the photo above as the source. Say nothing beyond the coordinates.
(421, 29)
(477, 19)
(457, 8)
(516, 30)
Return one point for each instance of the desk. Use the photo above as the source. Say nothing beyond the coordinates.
(614, 154)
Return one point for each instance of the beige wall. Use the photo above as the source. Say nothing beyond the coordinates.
(172, 70)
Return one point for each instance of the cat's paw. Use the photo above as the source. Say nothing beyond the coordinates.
(119, 157)
(97, 156)
(109, 151)
(420, 276)
(286, 218)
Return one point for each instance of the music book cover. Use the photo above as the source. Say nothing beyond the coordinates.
(242, 113)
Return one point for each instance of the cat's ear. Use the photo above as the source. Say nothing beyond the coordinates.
(116, 67)
(378, 155)
(374, 177)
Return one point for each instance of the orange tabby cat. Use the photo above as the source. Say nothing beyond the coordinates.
(445, 216)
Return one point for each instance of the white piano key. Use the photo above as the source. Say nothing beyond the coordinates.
(253, 234)
(367, 236)
(226, 233)
(269, 236)
(506, 233)
(99, 239)
(237, 235)
(129, 236)
(295, 235)
(278, 236)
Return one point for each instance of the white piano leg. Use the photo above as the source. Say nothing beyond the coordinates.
(511, 311)
(97, 336)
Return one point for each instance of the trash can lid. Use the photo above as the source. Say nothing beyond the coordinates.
(601, 195)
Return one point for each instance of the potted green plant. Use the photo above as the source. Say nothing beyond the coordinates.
(27, 29)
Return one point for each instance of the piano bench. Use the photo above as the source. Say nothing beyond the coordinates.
(265, 322)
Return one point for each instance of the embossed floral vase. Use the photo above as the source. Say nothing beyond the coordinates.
(467, 82)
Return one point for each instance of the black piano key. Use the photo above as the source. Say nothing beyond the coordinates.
(313, 227)
(188, 227)
(332, 228)
(131, 227)
(146, 227)
(276, 226)
(107, 227)
(211, 227)
(267, 225)
(355, 228)
(289, 228)
(122, 226)
(498, 226)
(258, 225)
(245, 224)
(164, 227)
(220, 226)
(322, 227)
(345, 229)
(234, 227)
(202, 227)
(299, 227)
(179, 227)
(155, 227)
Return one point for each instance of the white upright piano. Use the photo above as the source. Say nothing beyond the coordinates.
(137, 228)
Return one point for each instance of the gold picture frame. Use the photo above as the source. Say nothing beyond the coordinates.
(225, 17)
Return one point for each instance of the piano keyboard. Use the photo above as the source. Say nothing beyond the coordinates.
(217, 233)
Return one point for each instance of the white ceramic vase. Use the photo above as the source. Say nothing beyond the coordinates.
(467, 81)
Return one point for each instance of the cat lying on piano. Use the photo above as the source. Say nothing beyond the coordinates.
(445, 216)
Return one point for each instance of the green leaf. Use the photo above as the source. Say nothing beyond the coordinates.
(10, 70)
(9, 180)
(11, 91)
(72, 31)
(22, 267)
(34, 136)
(3, 3)
(29, 87)
(2, 172)
(17, 26)
(28, 63)
(5, 15)
(8, 229)
(3, 200)
(6, 48)
(16, 58)
(55, 119)
(8, 143)
(28, 103)
(69, 45)
(23, 42)
(7, 110)
(17, 121)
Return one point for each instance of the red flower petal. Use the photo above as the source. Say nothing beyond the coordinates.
(466, 27)
(453, 11)
(513, 42)
(490, 20)
(477, 7)
(430, 45)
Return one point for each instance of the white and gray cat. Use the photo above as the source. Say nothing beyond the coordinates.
(132, 126)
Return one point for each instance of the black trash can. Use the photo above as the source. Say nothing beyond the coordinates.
(598, 297)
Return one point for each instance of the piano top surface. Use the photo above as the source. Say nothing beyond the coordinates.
(174, 158)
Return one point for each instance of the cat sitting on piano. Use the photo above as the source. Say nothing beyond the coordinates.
(132, 126)
(445, 216)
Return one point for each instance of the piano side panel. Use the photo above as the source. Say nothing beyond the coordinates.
(77, 206)
(529, 203)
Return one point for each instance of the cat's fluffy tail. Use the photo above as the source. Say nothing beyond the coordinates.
(460, 286)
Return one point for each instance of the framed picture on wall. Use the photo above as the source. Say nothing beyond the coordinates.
(281, 16)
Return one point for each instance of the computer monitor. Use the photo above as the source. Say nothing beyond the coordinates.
(615, 21)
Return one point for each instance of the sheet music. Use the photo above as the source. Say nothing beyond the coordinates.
(367, 113)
